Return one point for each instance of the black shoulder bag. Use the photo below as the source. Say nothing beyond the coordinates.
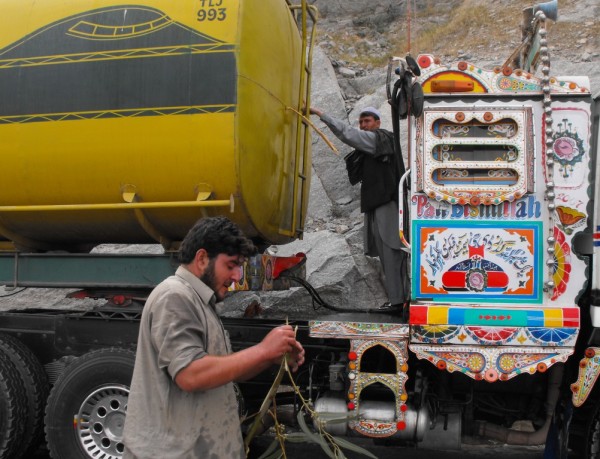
(354, 166)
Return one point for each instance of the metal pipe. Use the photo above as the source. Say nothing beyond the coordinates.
(115, 206)
(515, 437)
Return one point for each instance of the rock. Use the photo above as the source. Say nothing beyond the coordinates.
(345, 200)
(320, 205)
(346, 72)
(338, 271)
(329, 167)
(348, 90)
(370, 83)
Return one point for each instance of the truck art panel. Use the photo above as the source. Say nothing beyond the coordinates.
(485, 263)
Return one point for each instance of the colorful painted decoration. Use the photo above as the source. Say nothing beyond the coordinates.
(570, 218)
(491, 363)
(483, 263)
(561, 265)
(589, 369)
(568, 147)
(395, 382)
(551, 336)
(494, 336)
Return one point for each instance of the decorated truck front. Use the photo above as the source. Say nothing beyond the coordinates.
(500, 178)
(495, 211)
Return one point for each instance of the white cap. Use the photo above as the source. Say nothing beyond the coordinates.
(370, 111)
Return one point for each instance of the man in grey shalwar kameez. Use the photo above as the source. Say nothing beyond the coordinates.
(379, 196)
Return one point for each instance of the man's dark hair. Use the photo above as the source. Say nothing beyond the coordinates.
(215, 235)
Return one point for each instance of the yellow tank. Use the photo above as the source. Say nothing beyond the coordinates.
(126, 123)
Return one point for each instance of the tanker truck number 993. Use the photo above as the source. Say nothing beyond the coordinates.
(210, 11)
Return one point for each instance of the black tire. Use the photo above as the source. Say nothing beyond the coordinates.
(86, 409)
(35, 383)
(584, 432)
(13, 408)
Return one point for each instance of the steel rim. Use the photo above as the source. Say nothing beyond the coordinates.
(100, 421)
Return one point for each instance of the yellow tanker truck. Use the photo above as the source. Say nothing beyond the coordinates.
(127, 122)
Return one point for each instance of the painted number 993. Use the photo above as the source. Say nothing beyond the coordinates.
(211, 10)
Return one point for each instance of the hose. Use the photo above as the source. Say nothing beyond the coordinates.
(322, 303)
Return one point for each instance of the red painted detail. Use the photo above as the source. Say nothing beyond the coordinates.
(282, 264)
(352, 355)
(458, 279)
(351, 406)
(424, 61)
(476, 251)
(403, 408)
(492, 334)
(418, 315)
(542, 367)
(491, 375)
(590, 352)
(401, 425)
(119, 299)
(574, 388)
(570, 317)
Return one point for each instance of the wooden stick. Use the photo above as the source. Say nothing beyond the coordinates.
(311, 124)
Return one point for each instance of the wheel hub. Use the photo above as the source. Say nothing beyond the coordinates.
(100, 422)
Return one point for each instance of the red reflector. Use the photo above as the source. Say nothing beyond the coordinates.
(452, 86)
(590, 352)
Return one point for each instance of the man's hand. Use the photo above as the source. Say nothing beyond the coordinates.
(316, 111)
(281, 341)
(296, 358)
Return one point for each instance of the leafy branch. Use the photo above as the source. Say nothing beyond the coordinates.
(331, 445)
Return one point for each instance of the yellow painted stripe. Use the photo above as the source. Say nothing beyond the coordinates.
(437, 315)
(553, 318)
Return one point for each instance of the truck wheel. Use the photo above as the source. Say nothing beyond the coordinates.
(35, 384)
(86, 409)
(13, 405)
(584, 432)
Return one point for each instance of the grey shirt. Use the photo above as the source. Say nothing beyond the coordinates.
(179, 325)
(361, 140)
